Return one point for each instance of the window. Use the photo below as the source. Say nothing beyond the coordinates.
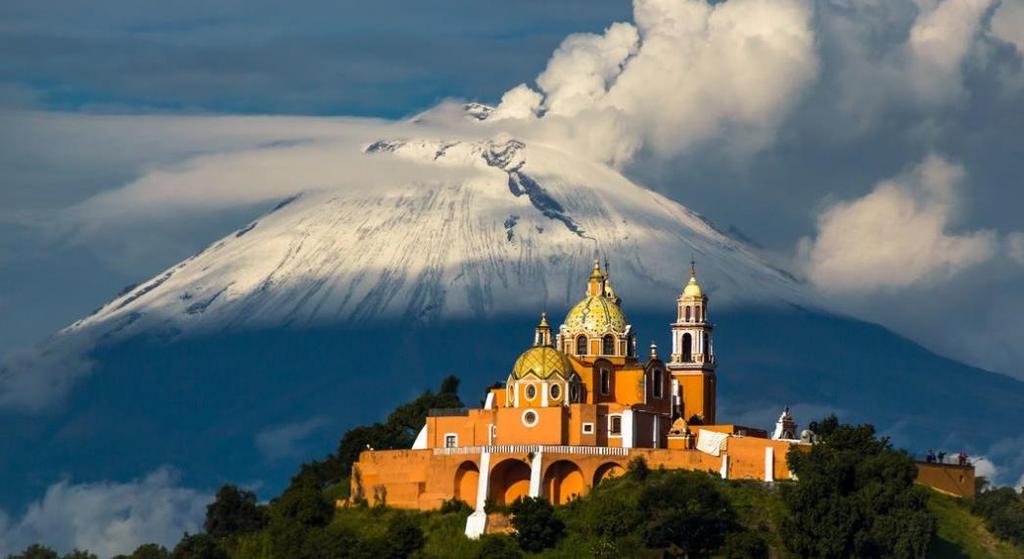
(615, 424)
(608, 345)
(451, 440)
(529, 418)
(659, 383)
(581, 345)
(606, 381)
(556, 391)
(574, 392)
(531, 392)
(687, 313)
(588, 428)
(687, 347)
(699, 314)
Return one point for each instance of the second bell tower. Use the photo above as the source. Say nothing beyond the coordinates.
(693, 356)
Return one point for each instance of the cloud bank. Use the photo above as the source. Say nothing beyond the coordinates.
(896, 236)
(108, 518)
(684, 73)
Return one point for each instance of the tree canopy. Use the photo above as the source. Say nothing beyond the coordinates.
(855, 497)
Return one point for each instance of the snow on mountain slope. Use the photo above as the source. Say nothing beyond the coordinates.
(516, 230)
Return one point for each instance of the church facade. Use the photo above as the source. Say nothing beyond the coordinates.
(577, 406)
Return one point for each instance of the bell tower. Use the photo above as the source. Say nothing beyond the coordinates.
(692, 362)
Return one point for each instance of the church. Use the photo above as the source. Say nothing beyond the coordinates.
(575, 409)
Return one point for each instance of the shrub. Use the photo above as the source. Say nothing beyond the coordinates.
(495, 546)
(1003, 511)
(744, 545)
(537, 527)
(36, 551)
(148, 551)
(234, 511)
(455, 506)
(198, 546)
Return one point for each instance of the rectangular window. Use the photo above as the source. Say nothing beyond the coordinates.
(606, 382)
(588, 428)
(451, 440)
(615, 424)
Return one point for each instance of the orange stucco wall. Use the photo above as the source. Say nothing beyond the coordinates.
(423, 479)
(950, 479)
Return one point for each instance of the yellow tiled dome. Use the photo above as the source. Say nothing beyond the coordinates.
(597, 315)
(542, 361)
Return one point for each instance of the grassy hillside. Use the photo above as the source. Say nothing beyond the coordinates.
(961, 534)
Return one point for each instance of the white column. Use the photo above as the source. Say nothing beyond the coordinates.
(769, 463)
(535, 471)
(725, 467)
(544, 394)
(476, 524)
(628, 429)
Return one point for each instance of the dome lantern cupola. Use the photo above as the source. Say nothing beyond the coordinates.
(596, 326)
(542, 334)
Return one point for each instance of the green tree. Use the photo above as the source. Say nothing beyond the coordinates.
(1003, 511)
(234, 511)
(147, 551)
(36, 551)
(744, 545)
(331, 542)
(198, 546)
(80, 554)
(305, 504)
(537, 528)
(496, 546)
(684, 511)
(855, 497)
(404, 537)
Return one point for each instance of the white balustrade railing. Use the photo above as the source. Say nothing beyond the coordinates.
(528, 448)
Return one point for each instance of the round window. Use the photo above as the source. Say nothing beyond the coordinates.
(556, 391)
(530, 418)
(531, 391)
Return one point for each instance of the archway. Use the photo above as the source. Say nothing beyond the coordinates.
(607, 471)
(510, 480)
(467, 479)
(687, 347)
(563, 482)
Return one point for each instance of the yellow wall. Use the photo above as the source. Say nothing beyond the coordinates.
(950, 479)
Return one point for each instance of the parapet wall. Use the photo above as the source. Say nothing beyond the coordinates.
(951, 479)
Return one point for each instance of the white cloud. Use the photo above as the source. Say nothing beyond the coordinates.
(1015, 246)
(890, 57)
(983, 467)
(687, 72)
(939, 42)
(1008, 23)
(896, 236)
(283, 441)
(108, 518)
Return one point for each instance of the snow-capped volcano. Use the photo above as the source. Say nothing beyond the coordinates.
(491, 227)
